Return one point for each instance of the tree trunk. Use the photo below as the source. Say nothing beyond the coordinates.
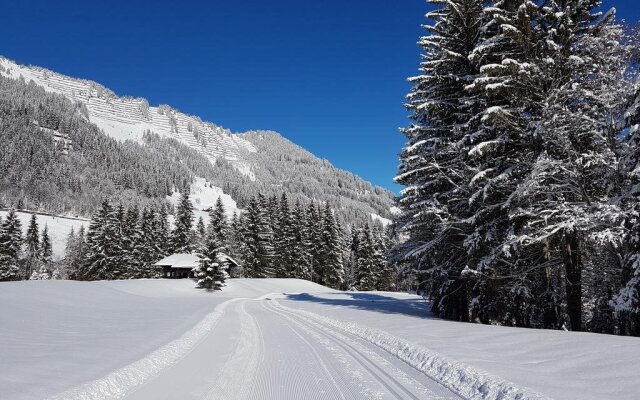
(573, 272)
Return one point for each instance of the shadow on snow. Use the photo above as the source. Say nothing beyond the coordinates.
(369, 302)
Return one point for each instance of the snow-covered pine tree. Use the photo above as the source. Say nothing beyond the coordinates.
(102, 245)
(352, 261)
(161, 236)
(301, 258)
(32, 247)
(331, 251)
(201, 233)
(209, 272)
(314, 238)
(386, 274)
(46, 271)
(46, 251)
(119, 267)
(151, 251)
(129, 264)
(366, 274)
(10, 245)
(510, 86)
(182, 232)
(75, 254)
(564, 200)
(258, 250)
(284, 238)
(69, 251)
(218, 224)
(435, 165)
(626, 303)
(236, 242)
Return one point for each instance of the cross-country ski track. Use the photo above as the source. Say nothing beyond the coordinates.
(263, 339)
(258, 349)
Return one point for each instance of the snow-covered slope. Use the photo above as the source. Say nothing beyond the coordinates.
(204, 196)
(59, 228)
(57, 334)
(557, 364)
(128, 118)
(260, 161)
(283, 339)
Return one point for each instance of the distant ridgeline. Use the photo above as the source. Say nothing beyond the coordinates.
(68, 144)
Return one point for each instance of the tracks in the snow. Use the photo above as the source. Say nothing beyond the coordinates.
(250, 349)
(398, 379)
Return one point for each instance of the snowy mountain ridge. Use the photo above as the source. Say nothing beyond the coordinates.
(245, 163)
(123, 117)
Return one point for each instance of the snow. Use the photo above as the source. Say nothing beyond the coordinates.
(204, 196)
(61, 335)
(245, 170)
(384, 221)
(59, 228)
(283, 339)
(127, 118)
(555, 364)
(181, 260)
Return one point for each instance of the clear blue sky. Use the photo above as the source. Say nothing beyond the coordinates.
(329, 75)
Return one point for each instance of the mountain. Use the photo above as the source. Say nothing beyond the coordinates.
(156, 150)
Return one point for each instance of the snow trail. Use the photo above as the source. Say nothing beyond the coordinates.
(118, 383)
(468, 382)
(399, 379)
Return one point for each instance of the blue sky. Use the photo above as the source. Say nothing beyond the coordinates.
(329, 75)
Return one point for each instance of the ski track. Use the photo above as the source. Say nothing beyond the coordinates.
(394, 378)
(465, 381)
(117, 384)
(250, 349)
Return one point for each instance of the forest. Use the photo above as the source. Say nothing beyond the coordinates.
(271, 239)
(521, 168)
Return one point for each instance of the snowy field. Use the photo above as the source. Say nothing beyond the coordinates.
(59, 228)
(283, 339)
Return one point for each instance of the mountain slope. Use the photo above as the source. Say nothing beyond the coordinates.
(240, 164)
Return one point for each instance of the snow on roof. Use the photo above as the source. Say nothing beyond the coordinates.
(185, 260)
(180, 260)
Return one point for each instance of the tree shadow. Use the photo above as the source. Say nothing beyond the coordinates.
(369, 302)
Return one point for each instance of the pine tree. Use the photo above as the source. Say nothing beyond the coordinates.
(46, 270)
(563, 200)
(201, 233)
(386, 275)
(314, 238)
(10, 244)
(32, 247)
(209, 272)
(129, 241)
(301, 258)
(46, 252)
(218, 224)
(182, 233)
(436, 164)
(283, 239)
(258, 255)
(102, 246)
(160, 237)
(366, 274)
(330, 260)
(626, 302)
(236, 248)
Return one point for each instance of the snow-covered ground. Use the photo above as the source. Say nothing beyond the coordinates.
(204, 196)
(59, 228)
(59, 334)
(283, 339)
(560, 365)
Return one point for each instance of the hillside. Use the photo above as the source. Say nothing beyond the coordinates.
(240, 165)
